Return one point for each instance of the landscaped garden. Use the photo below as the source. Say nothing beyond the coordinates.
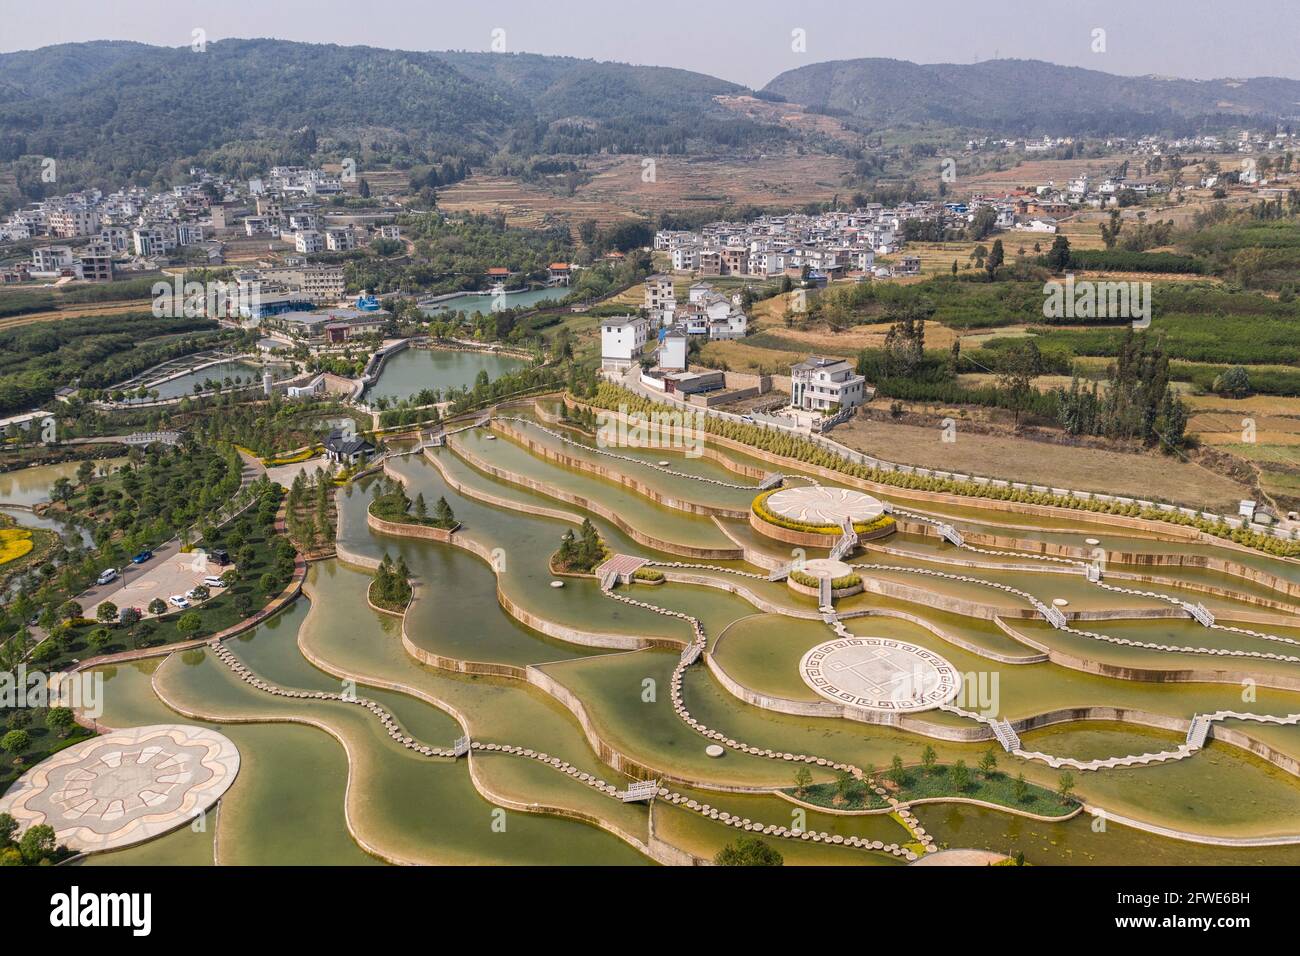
(934, 781)
(263, 565)
(391, 503)
(391, 588)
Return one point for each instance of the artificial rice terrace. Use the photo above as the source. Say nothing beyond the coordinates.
(813, 662)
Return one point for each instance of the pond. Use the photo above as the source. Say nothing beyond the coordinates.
(412, 370)
(480, 303)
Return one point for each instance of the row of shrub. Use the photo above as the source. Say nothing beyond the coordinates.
(1123, 260)
(804, 450)
(311, 451)
(837, 584)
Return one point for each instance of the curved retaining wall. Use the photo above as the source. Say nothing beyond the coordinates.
(810, 539)
(1143, 559)
(654, 847)
(403, 529)
(496, 500)
(550, 491)
(711, 454)
(1158, 528)
(1172, 676)
(836, 593)
(612, 475)
(1078, 809)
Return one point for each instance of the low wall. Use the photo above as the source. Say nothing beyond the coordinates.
(809, 539)
(710, 399)
(1174, 531)
(403, 529)
(794, 585)
(722, 554)
(612, 475)
(1172, 676)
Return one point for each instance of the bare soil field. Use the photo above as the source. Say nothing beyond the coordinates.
(780, 179)
(792, 115)
(524, 205)
(78, 311)
(736, 356)
(617, 189)
(1061, 466)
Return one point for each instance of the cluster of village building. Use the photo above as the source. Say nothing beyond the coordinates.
(665, 329)
(136, 230)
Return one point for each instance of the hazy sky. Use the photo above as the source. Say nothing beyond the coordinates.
(748, 41)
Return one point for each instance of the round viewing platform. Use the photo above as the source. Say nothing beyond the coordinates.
(814, 515)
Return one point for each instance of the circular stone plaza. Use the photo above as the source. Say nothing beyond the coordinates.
(880, 673)
(125, 786)
(820, 505)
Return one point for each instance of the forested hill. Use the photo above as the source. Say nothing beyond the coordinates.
(1031, 96)
(556, 87)
(113, 112)
(154, 104)
(132, 109)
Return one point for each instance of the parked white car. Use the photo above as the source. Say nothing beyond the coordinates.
(213, 581)
(179, 600)
(108, 574)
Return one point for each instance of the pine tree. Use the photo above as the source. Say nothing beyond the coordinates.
(565, 555)
(442, 513)
(589, 550)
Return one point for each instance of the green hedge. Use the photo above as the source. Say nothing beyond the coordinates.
(804, 450)
(837, 584)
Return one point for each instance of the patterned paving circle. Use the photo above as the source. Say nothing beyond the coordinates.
(125, 786)
(826, 568)
(880, 673)
(818, 504)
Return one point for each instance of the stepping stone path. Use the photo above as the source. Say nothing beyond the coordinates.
(223, 654)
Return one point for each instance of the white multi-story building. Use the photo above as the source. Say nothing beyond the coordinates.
(95, 262)
(117, 238)
(825, 384)
(340, 240)
(660, 300)
(69, 222)
(155, 240)
(261, 226)
(188, 233)
(673, 351)
(52, 259)
(308, 241)
(622, 340)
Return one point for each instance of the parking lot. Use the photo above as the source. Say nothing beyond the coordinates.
(160, 577)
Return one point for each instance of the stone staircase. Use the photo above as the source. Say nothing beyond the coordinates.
(848, 540)
(824, 599)
(1200, 613)
(951, 535)
(781, 572)
(1006, 735)
(771, 480)
(1198, 731)
(1054, 616)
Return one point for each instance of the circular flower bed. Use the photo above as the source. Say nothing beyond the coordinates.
(875, 528)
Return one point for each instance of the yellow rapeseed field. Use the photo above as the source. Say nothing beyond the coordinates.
(14, 543)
